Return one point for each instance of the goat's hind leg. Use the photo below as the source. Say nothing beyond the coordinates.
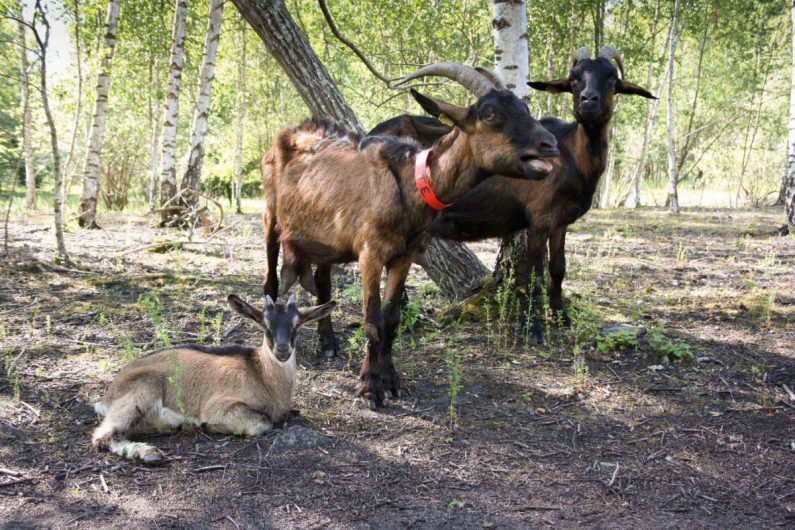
(328, 341)
(122, 416)
(557, 272)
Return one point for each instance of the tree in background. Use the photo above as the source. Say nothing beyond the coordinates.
(168, 142)
(289, 46)
(673, 195)
(789, 201)
(192, 177)
(27, 149)
(87, 216)
(241, 114)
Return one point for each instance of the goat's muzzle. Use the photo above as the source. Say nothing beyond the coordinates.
(283, 352)
(537, 163)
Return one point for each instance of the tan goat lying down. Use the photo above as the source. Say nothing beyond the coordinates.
(228, 389)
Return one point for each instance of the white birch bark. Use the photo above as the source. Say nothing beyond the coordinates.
(87, 217)
(69, 172)
(201, 114)
(789, 200)
(155, 120)
(652, 106)
(168, 141)
(241, 112)
(43, 42)
(673, 178)
(511, 56)
(27, 149)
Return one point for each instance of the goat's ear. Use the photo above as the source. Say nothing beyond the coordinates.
(460, 116)
(625, 87)
(245, 309)
(431, 129)
(314, 313)
(556, 86)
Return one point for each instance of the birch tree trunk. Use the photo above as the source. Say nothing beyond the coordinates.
(673, 178)
(27, 149)
(70, 167)
(652, 106)
(155, 121)
(43, 43)
(168, 141)
(87, 217)
(201, 115)
(289, 46)
(241, 114)
(511, 57)
(510, 50)
(789, 200)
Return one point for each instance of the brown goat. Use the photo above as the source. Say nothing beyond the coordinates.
(338, 202)
(501, 206)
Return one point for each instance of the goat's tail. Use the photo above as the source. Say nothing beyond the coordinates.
(310, 136)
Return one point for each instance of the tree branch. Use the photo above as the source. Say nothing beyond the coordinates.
(350, 45)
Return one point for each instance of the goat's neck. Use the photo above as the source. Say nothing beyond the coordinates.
(453, 168)
(590, 149)
(278, 377)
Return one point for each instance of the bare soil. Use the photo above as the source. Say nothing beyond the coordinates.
(559, 435)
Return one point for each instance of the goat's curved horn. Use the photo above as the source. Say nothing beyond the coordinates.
(492, 76)
(466, 76)
(580, 55)
(610, 53)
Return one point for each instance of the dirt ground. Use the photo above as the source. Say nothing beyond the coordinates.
(572, 433)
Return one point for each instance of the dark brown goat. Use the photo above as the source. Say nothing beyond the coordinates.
(501, 206)
(338, 201)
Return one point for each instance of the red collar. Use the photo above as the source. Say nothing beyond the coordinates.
(422, 174)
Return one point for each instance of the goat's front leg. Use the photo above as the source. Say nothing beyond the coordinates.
(557, 272)
(536, 246)
(397, 271)
(371, 386)
(328, 341)
(232, 416)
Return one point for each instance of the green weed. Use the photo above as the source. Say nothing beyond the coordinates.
(674, 350)
(452, 359)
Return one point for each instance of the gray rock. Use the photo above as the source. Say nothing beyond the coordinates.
(622, 328)
(297, 438)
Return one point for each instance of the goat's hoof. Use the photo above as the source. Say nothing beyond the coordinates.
(330, 353)
(395, 393)
(371, 391)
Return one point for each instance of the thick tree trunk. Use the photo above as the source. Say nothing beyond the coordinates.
(87, 217)
(168, 141)
(789, 200)
(510, 45)
(27, 149)
(193, 172)
(289, 46)
(454, 268)
(241, 114)
(673, 178)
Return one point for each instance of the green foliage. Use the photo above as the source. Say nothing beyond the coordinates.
(151, 304)
(452, 359)
(617, 342)
(674, 350)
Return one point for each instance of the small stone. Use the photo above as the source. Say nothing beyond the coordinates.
(297, 438)
(638, 331)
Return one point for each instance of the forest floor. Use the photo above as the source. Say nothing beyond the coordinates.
(571, 433)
